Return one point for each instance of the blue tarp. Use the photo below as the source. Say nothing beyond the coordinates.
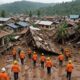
(12, 25)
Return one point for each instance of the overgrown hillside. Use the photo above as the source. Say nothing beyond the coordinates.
(22, 6)
(63, 8)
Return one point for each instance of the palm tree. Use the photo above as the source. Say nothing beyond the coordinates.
(62, 33)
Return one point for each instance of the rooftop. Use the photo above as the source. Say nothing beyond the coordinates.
(23, 24)
(4, 19)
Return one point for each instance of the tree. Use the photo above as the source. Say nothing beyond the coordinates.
(62, 33)
(38, 13)
(30, 14)
(3, 14)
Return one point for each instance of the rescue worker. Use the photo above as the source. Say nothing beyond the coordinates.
(14, 53)
(49, 65)
(29, 51)
(4, 75)
(19, 50)
(69, 69)
(34, 57)
(15, 69)
(67, 54)
(22, 57)
(61, 58)
(42, 60)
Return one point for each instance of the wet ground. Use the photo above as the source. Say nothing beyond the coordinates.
(28, 72)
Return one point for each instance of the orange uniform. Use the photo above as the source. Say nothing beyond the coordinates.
(43, 58)
(4, 76)
(61, 57)
(34, 57)
(14, 51)
(69, 67)
(48, 63)
(15, 68)
(22, 55)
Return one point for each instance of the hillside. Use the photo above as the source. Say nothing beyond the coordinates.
(22, 6)
(63, 8)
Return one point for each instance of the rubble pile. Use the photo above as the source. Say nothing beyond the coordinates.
(42, 39)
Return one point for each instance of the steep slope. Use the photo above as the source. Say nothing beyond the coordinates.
(22, 6)
(63, 8)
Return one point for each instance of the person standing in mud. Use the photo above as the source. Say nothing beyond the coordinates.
(42, 60)
(15, 69)
(22, 57)
(19, 50)
(49, 65)
(29, 51)
(61, 58)
(67, 54)
(14, 52)
(34, 58)
(4, 75)
(69, 69)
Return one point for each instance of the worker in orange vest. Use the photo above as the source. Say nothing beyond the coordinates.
(29, 51)
(61, 58)
(15, 69)
(42, 60)
(4, 75)
(69, 69)
(34, 57)
(22, 57)
(67, 54)
(49, 65)
(14, 53)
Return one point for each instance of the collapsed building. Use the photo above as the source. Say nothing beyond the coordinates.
(41, 39)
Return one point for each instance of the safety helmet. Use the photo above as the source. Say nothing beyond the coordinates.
(34, 52)
(42, 54)
(70, 61)
(22, 51)
(48, 58)
(3, 69)
(15, 62)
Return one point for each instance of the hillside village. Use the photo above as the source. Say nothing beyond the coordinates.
(33, 30)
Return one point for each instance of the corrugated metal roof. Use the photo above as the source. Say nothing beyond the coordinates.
(4, 19)
(23, 24)
(12, 25)
(47, 23)
(74, 16)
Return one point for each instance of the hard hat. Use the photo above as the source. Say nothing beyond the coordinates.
(70, 61)
(42, 54)
(60, 53)
(22, 51)
(67, 49)
(48, 58)
(15, 62)
(34, 52)
(3, 69)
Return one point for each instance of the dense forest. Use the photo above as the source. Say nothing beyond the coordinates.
(66, 8)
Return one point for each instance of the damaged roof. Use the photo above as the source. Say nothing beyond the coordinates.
(23, 24)
(12, 25)
(4, 33)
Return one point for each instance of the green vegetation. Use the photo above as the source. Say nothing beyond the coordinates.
(62, 33)
(63, 8)
(22, 6)
(3, 14)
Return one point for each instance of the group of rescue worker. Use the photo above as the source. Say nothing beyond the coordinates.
(45, 62)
